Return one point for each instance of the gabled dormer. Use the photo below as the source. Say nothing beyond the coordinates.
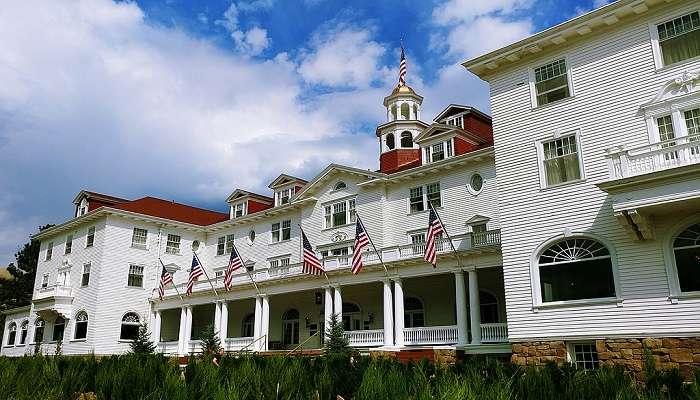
(284, 188)
(87, 201)
(468, 118)
(242, 203)
(439, 142)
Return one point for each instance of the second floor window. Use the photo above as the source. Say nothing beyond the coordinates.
(561, 160)
(69, 244)
(173, 244)
(339, 214)
(138, 238)
(49, 251)
(420, 197)
(135, 278)
(45, 281)
(551, 82)
(90, 238)
(281, 231)
(692, 123)
(679, 39)
(85, 280)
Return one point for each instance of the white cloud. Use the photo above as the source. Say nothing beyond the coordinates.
(250, 42)
(484, 34)
(459, 11)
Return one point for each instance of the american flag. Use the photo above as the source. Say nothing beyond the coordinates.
(403, 69)
(361, 241)
(234, 262)
(166, 278)
(435, 228)
(311, 263)
(195, 272)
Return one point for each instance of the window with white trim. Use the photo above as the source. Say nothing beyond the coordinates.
(283, 196)
(45, 281)
(551, 82)
(279, 262)
(679, 39)
(11, 334)
(59, 326)
(81, 325)
(221, 245)
(438, 151)
(135, 278)
(172, 246)
(139, 238)
(339, 213)
(420, 197)
(561, 160)
(90, 238)
(686, 253)
(692, 124)
(85, 279)
(69, 244)
(281, 231)
(131, 322)
(575, 269)
(239, 210)
(584, 355)
(49, 251)
(23, 332)
(456, 121)
(39, 325)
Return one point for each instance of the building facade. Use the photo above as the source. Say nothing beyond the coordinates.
(596, 128)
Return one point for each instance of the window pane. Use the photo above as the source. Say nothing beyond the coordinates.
(129, 332)
(416, 199)
(585, 279)
(229, 243)
(327, 216)
(138, 239)
(275, 232)
(90, 237)
(81, 330)
(438, 152)
(551, 82)
(680, 39)
(286, 229)
(220, 245)
(173, 244)
(692, 121)
(351, 210)
(586, 356)
(688, 266)
(561, 162)
(339, 215)
(433, 194)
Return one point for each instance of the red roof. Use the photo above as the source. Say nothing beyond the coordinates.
(171, 210)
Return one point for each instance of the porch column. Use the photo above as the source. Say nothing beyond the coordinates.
(398, 311)
(223, 330)
(461, 305)
(217, 318)
(474, 307)
(327, 308)
(157, 320)
(188, 329)
(181, 347)
(338, 303)
(388, 316)
(257, 327)
(265, 321)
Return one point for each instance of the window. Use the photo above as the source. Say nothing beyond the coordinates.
(488, 306)
(221, 245)
(692, 123)
(218, 275)
(418, 242)
(23, 332)
(290, 327)
(679, 39)
(584, 355)
(339, 186)
(251, 237)
(406, 140)
(69, 244)
(438, 151)
(39, 330)
(49, 251)
(479, 228)
(81, 325)
(419, 198)
(281, 231)
(12, 334)
(279, 262)
(135, 276)
(138, 238)
(90, 238)
(85, 280)
(413, 316)
(456, 121)
(173, 244)
(551, 82)
(229, 243)
(45, 281)
(351, 317)
(576, 269)
(561, 160)
(686, 252)
(416, 199)
(340, 213)
(248, 325)
(59, 326)
(282, 197)
(390, 141)
(239, 210)
(433, 194)
(130, 326)
(476, 183)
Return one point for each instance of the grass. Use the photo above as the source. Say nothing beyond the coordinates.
(155, 377)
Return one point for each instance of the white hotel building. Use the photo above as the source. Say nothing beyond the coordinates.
(576, 222)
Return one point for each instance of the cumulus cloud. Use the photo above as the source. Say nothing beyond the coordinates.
(250, 42)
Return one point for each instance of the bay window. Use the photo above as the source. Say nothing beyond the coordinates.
(679, 39)
(339, 213)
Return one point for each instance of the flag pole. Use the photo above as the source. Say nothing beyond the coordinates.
(379, 255)
(246, 269)
(301, 253)
(205, 274)
(174, 285)
(444, 229)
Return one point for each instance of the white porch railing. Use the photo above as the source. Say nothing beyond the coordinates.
(429, 335)
(494, 333)
(168, 348)
(195, 346)
(368, 338)
(486, 239)
(54, 291)
(238, 343)
(418, 249)
(623, 163)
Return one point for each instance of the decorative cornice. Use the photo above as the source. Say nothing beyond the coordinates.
(687, 83)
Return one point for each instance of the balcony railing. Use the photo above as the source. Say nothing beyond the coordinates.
(238, 343)
(168, 348)
(494, 333)
(53, 291)
(430, 335)
(623, 163)
(368, 338)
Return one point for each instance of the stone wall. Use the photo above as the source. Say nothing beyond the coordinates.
(539, 353)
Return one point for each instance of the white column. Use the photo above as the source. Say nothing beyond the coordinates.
(410, 112)
(223, 330)
(181, 347)
(338, 302)
(157, 323)
(188, 329)
(327, 308)
(257, 327)
(474, 307)
(398, 311)
(265, 321)
(217, 318)
(388, 320)
(461, 305)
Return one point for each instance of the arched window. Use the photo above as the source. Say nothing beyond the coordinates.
(339, 186)
(394, 113)
(39, 330)
(81, 325)
(290, 327)
(351, 317)
(12, 334)
(413, 316)
(686, 252)
(248, 326)
(23, 332)
(406, 140)
(576, 269)
(488, 308)
(59, 326)
(390, 141)
(405, 111)
(130, 326)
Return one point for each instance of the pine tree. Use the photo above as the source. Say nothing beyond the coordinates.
(210, 341)
(335, 342)
(143, 343)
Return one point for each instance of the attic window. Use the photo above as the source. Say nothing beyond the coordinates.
(438, 151)
(238, 210)
(282, 197)
(339, 186)
(456, 121)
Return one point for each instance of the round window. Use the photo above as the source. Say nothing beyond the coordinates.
(476, 183)
(251, 236)
(195, 245)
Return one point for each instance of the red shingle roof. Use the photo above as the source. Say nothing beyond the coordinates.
(171, 210)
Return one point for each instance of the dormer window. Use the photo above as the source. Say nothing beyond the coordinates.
(456, 121)
(238, 210)
(82, 208)
(438, 151)
(282, 197)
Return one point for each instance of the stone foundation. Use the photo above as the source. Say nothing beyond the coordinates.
(539, 353)
(438, 356)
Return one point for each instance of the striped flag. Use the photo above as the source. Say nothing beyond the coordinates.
(403, 69)
(166, 278)
(435, 229)
(361, 241)
(195, 272)
(234, 262)
(311, 263)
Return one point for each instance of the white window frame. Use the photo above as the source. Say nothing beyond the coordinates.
(68, 248)
(280, 231)
(221, 245)
(453, 119)
(569, 79)
(448, 149)
(571, 353)
(172, 243)
(279, 195)
(425, 198)
(656, 46)
(539, 144)
(129, 274)
(279, 261)
(49, 252)
(82, 208)
(90, 242)
(45, 280)
(473, 191)
(670, 259)
(238, 207)
(135, 245)
(87, 269)
(350, 212)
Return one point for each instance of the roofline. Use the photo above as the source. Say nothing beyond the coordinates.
(249, 194)
(16, 310)
(400, 121)
(332, 167)
(608, 15)
(472, 137)
(98, 196)
(257, 215)
(469, 109)
(294, 178)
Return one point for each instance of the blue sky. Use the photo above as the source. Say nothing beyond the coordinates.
(189, 100)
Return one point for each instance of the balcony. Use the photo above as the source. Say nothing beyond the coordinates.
(625, 163)
(53, 300)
